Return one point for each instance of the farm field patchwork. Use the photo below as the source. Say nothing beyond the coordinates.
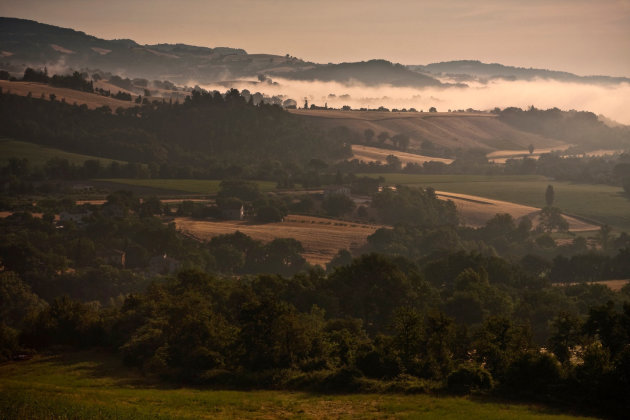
(196, 186)
(38, 155)
(321, 238)
(96, 385)
(601, 203)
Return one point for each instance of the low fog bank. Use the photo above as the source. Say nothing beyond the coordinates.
(611, 101)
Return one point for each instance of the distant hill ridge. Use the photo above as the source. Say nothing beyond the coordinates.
(474, 70)
(29, 43)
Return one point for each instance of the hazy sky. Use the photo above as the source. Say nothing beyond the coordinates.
(580, 36)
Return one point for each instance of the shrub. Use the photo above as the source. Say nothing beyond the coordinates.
(533, 374)
(469, 378)
(269, 214)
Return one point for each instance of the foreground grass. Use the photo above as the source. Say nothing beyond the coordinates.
(602, 203)
(196, 186)
(95, 385)
(38, 155)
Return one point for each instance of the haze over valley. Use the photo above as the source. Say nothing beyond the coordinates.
(314, 209)
(455, 85)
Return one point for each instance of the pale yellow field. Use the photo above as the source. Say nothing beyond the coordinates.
(375, 154)
(500, 156)
(476, 211)
(71, 96)
(614, 285)
(321, 238)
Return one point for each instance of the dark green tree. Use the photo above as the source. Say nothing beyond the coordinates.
(549, 195)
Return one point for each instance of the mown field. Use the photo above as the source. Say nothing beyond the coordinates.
(321, 238)
(38, 155)
(195, 186)
(90, 385)
(602, 203)
(375, 154)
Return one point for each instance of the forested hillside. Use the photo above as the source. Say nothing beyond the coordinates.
(206, 128)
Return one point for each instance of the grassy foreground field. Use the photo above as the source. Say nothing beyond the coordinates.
(91, 385)
(38, 155)
(602, 203)
(195, 186)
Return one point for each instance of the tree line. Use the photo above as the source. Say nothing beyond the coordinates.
(207, 130)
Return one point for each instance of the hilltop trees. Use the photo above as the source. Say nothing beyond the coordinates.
(209, 129)
(414, 205)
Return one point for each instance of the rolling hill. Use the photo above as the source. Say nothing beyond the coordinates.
(25, 42)
(29, 43)
(452, 130)
(370, 73)
(473, 70)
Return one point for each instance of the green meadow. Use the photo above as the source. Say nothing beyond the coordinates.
(602, 203)
(89, 385)
(38, 155)
(195, 186)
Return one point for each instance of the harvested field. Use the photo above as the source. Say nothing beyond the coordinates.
(475, 211)
(92, 100)
(614, 285)
(375, 154)
(321, 237)
(604, 152)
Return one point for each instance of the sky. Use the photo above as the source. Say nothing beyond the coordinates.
(580, 36)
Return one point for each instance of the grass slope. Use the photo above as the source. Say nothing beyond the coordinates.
(196, 186)
(602, 203)
(38, 155)
(95, 385)
(453, 130)
(71, 96)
